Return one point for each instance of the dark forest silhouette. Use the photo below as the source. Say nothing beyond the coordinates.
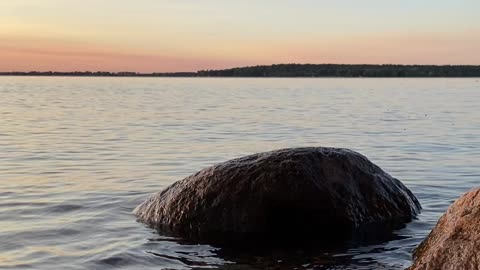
(293, 70)
(332, 70)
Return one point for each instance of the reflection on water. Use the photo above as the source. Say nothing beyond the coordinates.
(78, 154)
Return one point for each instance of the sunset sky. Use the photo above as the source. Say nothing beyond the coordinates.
(188, 35)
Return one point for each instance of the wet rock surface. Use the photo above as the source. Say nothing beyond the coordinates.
(454, 243)
(323, 195)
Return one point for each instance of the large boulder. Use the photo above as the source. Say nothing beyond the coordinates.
(454, 243)
(326, 195)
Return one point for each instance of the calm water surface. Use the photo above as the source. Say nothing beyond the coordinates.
(78, 154)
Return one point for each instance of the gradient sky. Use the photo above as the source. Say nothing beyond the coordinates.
(188, 35)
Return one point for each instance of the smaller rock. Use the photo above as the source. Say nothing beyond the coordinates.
(454, 243)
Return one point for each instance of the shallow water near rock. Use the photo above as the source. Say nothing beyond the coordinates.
(78, 154)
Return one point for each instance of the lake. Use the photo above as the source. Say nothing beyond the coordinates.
(78, 154)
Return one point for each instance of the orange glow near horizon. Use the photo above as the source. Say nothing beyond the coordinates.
(161, 36)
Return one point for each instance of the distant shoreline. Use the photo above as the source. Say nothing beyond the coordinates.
(293, 71)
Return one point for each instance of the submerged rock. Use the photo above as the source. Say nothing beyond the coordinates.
(454, 243)
(325, 195)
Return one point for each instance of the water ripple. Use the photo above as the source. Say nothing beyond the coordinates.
(78, 154)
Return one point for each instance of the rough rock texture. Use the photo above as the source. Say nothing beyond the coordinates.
(325, 194)
(454, 243)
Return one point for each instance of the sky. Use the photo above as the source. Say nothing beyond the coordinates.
(191, 35)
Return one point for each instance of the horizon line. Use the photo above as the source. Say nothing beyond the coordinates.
(127, 72)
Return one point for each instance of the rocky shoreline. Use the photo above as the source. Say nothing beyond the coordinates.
(454, 243)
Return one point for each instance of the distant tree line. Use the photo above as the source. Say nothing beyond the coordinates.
(291, 70)
(99, 74)
(333, 70)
